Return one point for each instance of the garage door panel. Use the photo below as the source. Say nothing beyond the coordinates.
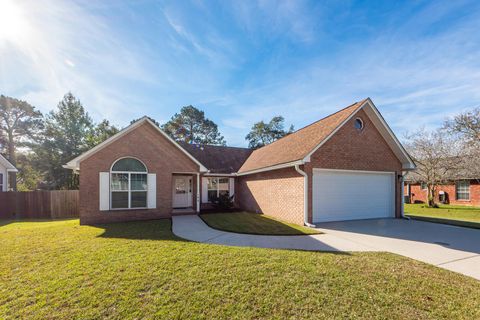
(346, 195)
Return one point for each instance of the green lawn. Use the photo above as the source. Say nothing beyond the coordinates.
(253, 223)
(60, 270)
(458, 215)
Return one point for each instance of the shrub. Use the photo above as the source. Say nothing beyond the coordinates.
(223, 202)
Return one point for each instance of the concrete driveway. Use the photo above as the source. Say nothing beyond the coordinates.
(449, 247)
(453, 248)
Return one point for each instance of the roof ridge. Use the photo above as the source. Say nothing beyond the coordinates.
(332, 114)
(311, 124)
(216, 146)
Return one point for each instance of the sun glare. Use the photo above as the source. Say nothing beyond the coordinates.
(13, 23)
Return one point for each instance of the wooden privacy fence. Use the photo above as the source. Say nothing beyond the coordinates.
(39, 204)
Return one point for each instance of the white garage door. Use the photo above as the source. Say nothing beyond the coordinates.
(349, 195)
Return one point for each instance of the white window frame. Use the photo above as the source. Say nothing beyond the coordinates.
(467, 192)
(129, 190)
(218, 186)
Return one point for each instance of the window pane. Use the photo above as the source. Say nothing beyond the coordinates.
(129, 164)
(463, 190)
(139, 199)
(119, 181)
(180, 186)
(212, 195)
(212, 183)
(119, 200)
(223, 185)
(1, 182)
(139, 182)
(463, 196)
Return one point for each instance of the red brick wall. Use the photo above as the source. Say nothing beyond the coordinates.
(277, 193)
(159, 155)
(350, 149)
(419, 195)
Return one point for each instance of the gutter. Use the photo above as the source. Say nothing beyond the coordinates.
(275, 167)
(305, 196)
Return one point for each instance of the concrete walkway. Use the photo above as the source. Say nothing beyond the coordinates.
(453, 248)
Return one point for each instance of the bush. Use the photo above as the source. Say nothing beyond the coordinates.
(223, 202)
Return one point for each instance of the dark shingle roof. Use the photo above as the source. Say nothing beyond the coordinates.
(297, 145)
(218, 159)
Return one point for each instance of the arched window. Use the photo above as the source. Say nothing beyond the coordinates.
(128, 184)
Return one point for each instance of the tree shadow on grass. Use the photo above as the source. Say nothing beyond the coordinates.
(4, 222)
(253, 223)
(139, 230)
(457, 208)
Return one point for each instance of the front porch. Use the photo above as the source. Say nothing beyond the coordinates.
(192, 192)
(185, 193)
(183, 211)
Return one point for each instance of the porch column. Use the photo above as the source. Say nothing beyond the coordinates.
(198, 192)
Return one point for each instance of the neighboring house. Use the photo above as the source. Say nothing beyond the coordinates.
(7, 174)
(458, 192)
(346, 166)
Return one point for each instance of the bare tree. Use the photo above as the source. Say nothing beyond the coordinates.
(466, 125)
(466, 128)
(438, 157)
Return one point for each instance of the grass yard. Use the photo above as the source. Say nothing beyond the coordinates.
(253, 223)
(60, 270)
(457, 215)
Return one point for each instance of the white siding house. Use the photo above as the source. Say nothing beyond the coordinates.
(6, 168)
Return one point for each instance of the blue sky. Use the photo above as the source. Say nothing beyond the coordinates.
(244, 61)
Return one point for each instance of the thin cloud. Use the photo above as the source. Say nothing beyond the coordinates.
(245, 61)
(56, 35)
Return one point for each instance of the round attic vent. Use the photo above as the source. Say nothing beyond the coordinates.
(358, 124)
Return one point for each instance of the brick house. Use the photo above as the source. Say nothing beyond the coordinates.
(7, 174)
(348, 165)
(457, 192)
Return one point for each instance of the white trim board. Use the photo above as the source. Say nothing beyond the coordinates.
(8, 166)
(75, 163)
(275, 167)
(210, 174)
(353, 171)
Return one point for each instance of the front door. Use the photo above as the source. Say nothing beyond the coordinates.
(182, 192)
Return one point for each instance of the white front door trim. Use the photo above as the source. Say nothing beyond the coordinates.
(182, 192)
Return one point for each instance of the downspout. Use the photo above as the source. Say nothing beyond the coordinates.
(305, 196)
(402, 208)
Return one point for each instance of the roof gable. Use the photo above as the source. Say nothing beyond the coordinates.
(75, 163)
(297, 147)
(4, 162)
